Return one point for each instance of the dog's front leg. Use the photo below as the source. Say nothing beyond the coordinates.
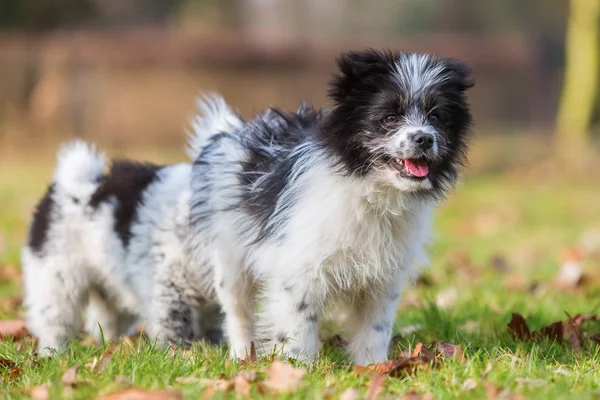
(234, 289)
(291, 318)
(372, 319)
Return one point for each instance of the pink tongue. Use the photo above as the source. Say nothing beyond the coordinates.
(417, 167)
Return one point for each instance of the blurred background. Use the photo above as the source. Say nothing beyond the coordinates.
(124, 74)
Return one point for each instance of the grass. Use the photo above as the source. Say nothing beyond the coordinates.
(526, 223)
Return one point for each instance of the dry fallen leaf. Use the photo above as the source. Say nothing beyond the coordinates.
(10, 273)
(350, 394)
(375, 387)
(554, 331)
(241, 385)
(469, 384)
(499, 263)
(70, 377)
(89, 341)
(446, 298)
(104, 359)
(394, 368)
(39, 392)
(15, 329)
(12, 370)
(569, 331)
(220, 384)
(450, 350)
(518, 327)
(283, 377)
(141, 394)
(10, 304)
(569, 276)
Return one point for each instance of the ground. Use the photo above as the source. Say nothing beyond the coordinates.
(499, 244)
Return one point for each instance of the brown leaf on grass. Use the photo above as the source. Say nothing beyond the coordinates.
(572, 332)
(422, 351)
(518, 327)
(104, 359)
(39, 392)
(569, 330)
(516, 282)
(570, 275)
(10, 273)
(554, 331)
(89, 341)
(395, 368)
(241, 385)
(375, 387)
(499, 263)
(221, 384)
(450, 350)
(70, 377)
(15, 329)
(10, 304)
(349, 394)
(141, 394)
(446, 298)
(283, 377)
(469, 384)
(11, 370)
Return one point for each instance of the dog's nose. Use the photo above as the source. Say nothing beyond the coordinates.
(423, 140)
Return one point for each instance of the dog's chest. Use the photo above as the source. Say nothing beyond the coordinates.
(349, 242)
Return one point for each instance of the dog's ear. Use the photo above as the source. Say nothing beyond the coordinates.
(355, 66)
(460, 74)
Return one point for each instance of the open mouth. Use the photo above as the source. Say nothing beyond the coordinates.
(415, 168)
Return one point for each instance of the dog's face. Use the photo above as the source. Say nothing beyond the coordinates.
(401, 116)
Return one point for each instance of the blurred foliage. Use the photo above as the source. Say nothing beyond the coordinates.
(41, 15)
(384, 16)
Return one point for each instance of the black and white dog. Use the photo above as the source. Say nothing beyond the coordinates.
(333, 207)
(119, 245)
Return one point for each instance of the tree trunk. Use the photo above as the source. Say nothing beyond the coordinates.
(580, 80)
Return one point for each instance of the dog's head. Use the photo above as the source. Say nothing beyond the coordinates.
(401, 116)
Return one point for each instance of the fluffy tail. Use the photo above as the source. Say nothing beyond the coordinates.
(214, 116)
(79, 167)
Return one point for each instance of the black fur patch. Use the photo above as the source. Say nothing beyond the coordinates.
(38, 230)
(270, 140)
(125, 182)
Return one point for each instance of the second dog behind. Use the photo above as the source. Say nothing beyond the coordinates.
(118, 245)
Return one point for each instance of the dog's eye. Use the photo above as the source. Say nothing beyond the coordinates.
(434, 119)
(389, 119)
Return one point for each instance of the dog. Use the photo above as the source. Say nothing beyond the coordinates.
(313, 208)
(118, 244)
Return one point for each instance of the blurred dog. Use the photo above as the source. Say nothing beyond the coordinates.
(118, 244)
(331, 207)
